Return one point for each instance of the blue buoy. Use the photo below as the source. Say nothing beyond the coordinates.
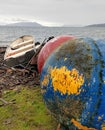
(73, 84)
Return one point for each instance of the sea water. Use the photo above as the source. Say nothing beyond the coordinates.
(9, 34)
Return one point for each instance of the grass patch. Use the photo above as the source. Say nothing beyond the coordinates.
(26, 111)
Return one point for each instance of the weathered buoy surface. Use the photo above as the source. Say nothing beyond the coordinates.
(73, 84)
(49, 48)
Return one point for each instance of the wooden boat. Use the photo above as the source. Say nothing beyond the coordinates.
(20, 51)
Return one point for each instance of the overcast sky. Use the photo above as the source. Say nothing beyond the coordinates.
(53, 12)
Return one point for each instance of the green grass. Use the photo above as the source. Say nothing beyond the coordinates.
(26, 111)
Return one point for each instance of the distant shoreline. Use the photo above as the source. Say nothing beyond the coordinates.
(35, 24)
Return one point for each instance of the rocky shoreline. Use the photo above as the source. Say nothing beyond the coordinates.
(10, 77)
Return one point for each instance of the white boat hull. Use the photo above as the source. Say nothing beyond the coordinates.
(20, 51)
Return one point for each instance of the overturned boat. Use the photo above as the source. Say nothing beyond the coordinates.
(20, 51)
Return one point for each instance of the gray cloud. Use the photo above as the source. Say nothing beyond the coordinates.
(54, 11)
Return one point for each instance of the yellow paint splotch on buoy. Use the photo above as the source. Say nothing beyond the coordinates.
(66, 81)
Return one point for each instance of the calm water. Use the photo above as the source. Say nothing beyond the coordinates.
(8, 34)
